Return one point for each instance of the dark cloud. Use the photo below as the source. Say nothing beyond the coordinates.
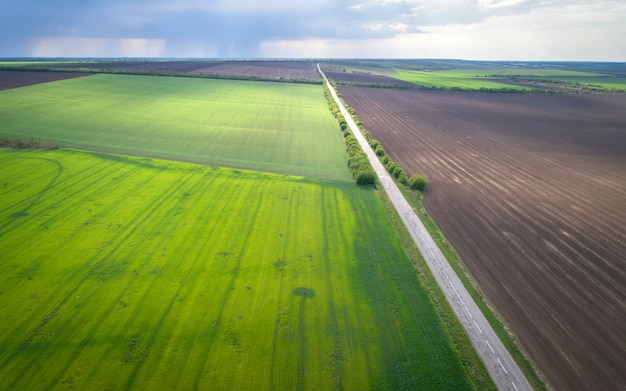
(238, 27)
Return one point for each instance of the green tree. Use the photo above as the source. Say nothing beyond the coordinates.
(417, 182)
(365, 177)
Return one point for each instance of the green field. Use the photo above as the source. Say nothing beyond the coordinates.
(132, 273)
(277, 127)
(461, 79)
(593, 83)
(539, 72)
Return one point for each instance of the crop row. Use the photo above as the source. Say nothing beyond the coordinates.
(249, 125)
(133, 273)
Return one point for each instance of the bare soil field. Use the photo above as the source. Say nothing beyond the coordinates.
(263, 69)
(269, 69)
(531, 191)
(16, 79)
(346, 77)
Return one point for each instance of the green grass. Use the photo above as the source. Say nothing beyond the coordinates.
(133, 273)
(594, 83)
(277, 127)
(538, 72)
(454, 79)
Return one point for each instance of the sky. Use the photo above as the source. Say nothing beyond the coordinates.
(524, 30)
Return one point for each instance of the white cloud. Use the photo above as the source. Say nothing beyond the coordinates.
(574, 32)
(498, 3)
(242, 6)
(386, 27)
(473, 29)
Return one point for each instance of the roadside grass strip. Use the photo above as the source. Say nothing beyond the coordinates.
(132, 273)
(278, 127)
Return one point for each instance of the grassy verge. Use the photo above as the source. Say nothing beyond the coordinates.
(471, 361)
(495, 320)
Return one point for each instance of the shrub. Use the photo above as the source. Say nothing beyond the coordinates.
(398, 172)
(31, 143)
(394, 168)
(357, 162)
(417, 182)
(365, 177)
(402, 178)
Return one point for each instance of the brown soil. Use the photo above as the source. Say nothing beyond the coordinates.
(264, 69)
(16, 79)
(531, 191)
(366, 78)
(269, 69)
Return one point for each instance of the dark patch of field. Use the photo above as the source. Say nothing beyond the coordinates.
(262, 69)
(346, 77)
(530, 189)
(16, 79)
(268, 69)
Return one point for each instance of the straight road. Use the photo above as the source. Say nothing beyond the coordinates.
(500, 364)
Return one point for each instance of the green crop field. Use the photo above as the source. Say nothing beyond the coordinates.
(131, 273)
(252, 125)
(540, 72)
(462, 79)
(596, 82)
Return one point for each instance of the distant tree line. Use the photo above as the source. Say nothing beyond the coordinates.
(30, 143)
(358, 163)
(359, 166)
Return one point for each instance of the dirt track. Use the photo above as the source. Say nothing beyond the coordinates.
(530, 191)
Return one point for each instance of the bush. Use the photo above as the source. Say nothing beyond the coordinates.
(365, 177)
(357, 162)
(417, 182)
(402, 178)
(31, 143)
(394, 169)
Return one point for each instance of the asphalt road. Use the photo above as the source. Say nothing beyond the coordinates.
(500, 364)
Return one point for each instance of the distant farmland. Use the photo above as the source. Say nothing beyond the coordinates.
(256, 125)
(529, 189)
(266, 69)
(131, 273)
(462, 79)
(15, 79)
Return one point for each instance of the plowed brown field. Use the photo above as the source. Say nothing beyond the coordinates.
(15, 79)
(265, 69)
(365, 78)
(531, 191)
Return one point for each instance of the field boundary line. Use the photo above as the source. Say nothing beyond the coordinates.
(500, 365)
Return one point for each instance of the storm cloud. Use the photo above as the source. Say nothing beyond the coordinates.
(471, 29)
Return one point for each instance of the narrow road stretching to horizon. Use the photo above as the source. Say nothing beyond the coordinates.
(504, 371)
